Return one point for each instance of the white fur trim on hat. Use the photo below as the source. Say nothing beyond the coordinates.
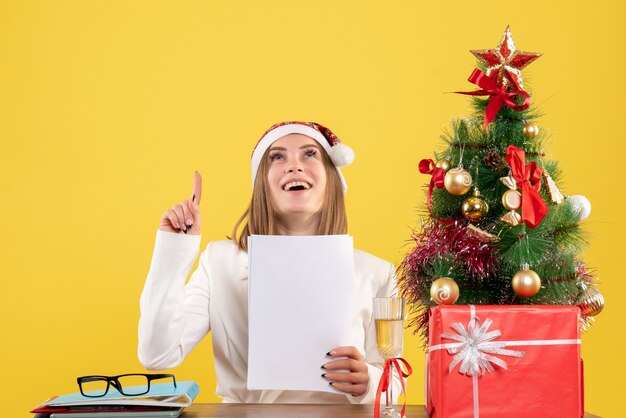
(340, 154)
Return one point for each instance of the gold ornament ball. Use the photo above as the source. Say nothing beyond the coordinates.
(444, 165)
(591, 303)
(444, 291)
(526, 283)
(474, 209)
(457, 181)
(531, 130)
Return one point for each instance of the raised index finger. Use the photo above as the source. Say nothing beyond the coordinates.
(197, 188)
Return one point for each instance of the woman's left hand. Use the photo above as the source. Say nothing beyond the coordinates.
(349, 373)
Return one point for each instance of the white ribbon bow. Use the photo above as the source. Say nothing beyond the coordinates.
(475, 347)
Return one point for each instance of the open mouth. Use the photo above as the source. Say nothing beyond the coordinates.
(296, 185)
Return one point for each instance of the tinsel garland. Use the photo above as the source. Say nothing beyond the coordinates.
(470, 254)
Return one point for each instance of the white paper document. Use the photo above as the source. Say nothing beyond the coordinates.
(300, 307)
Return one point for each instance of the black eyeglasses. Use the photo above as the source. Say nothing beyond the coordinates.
(126, 384)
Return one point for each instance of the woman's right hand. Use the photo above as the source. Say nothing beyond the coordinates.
(184, 218)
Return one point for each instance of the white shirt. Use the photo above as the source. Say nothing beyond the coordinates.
(175, 316)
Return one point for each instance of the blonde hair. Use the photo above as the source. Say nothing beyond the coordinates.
(261, 218)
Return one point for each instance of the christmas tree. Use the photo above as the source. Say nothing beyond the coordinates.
(497, 229)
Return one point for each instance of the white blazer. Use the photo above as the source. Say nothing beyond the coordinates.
(175, 316)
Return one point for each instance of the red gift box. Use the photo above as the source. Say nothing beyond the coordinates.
(508, 362)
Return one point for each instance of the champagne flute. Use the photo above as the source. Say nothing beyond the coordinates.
(389, 318)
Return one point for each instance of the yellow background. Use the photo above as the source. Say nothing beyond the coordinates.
(107, 108)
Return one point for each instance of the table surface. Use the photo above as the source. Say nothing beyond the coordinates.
(225, 410)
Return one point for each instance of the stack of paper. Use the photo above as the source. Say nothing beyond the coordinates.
(163, 400)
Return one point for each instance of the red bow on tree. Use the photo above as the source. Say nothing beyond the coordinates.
(385, 381)
(499, 96)
(427, 166)
(528, 178)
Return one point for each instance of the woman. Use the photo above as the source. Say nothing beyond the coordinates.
(297, 190)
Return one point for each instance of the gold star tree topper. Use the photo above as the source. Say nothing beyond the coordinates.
(504, 63)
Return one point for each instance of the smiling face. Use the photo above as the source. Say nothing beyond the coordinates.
(304, 198)
(296, 177)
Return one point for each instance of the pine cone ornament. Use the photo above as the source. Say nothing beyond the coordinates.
(492, 160)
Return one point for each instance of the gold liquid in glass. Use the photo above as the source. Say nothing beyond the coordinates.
(389, 319)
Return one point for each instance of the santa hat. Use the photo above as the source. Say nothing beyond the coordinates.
(340, 154)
